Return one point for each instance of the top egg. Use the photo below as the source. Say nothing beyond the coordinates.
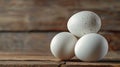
(84, 22)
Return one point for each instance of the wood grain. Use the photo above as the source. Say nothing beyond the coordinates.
(28, 58)
(27, 27)
(29, 61)
(93, 64)
(50, 61)
(25, 43)
(39, 43)
(30, 15)
(29, 64)
(105, 62)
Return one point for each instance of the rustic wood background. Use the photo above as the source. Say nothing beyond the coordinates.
(27, 26)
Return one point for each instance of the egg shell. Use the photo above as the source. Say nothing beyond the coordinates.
(84, 22)
(62, 45)
(91, 47)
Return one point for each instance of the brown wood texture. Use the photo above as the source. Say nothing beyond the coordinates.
(50, 61)
(39, 43)
(105, 62)
(25, 43)
(27, 27)
(29, 61)
(29, 64)
(30, 15)
(28, 58)
(94, 64)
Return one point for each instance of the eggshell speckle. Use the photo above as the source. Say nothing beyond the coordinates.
(91, 47)
(62, 45)
(84, 22)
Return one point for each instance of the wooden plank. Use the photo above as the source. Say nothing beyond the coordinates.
(105, 62)
(29, 61)
(49, 61)
(29, 15)
(28, 58)
(25, 43)
(39, 43)
(93, 64)
(28, 64)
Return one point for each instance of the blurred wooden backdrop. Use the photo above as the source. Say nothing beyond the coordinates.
(27, 26)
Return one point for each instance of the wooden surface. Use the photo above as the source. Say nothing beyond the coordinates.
(50, 61)
(27, 49)
(29, 61)
(30, 15)
(39, 43)
(27, 27)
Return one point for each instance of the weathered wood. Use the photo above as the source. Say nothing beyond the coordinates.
(49, 61)
(28, 15)
(39, 43)
(29, 61)
(113, 40)
(93, 64)
(25, 43)
(105, 62)
(29, 64)
(21, 57)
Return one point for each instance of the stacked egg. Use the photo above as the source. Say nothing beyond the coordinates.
(83, 41)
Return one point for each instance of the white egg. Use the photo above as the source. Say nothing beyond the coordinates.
(91, 47)
(62, 45)
(84, 22)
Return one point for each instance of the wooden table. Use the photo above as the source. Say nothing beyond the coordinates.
(27, 27)
(50, 61)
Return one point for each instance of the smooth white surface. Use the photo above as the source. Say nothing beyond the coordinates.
(62, 45)
(91, 47)
(84, 22)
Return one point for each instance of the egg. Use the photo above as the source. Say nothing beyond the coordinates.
(84, 22)
(62, 45)
(91, 47)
